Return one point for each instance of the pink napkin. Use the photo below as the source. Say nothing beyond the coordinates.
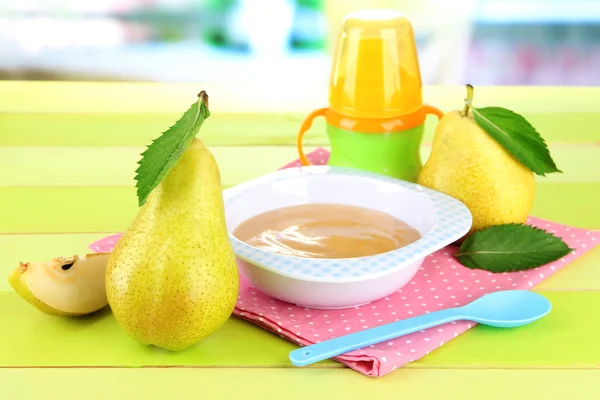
(442, 282)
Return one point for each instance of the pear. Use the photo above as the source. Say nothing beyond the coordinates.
(468, 164)
(64, 286)
(172, 278)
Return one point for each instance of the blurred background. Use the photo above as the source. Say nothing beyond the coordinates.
(492, 42)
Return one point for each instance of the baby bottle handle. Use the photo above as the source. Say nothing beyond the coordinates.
(433, 110)
(306, 124)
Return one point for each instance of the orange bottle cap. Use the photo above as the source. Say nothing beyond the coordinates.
(375, 70)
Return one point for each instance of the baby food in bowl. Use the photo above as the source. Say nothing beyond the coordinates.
(326, 230)
(333, 237)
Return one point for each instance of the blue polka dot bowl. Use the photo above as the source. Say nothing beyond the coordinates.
(347, 282)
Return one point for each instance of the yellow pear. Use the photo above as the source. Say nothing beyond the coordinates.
(64, 286)
(469, 165)
(172, 278)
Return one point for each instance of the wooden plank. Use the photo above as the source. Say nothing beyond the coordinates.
(297, 96)
(568, 203)
(139, 129)
(222, 129)
(77, 209)
(106, 166)
(66, 209)
(36, 339)
(115, 166)
(583, 274)
(295, 384)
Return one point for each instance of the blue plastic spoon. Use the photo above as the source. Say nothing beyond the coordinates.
(503, 309)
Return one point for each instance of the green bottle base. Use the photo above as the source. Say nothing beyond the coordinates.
(396, 154)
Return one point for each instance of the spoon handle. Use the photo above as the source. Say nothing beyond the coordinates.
(343, 344)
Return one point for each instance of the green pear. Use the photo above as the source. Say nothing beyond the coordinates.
(469, 165)
(172, 278)
(64, 286)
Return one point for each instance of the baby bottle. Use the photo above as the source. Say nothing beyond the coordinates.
(375, 119)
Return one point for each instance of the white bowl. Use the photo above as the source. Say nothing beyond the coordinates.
(347, 282)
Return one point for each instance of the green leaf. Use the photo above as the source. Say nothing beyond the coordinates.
(510, 247)
(517, 136)
(164, 152)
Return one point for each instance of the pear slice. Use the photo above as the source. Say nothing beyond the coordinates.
(64, 286)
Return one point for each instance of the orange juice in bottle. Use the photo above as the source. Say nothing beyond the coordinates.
(375, 119)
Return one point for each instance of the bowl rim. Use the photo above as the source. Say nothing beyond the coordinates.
(453, 223)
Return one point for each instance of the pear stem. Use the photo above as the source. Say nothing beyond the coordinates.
(468, 100)
(203, 97)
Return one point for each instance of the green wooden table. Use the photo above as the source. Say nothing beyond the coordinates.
(67, 162)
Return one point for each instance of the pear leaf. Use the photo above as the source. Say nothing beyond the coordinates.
(510, 247)
(517, 136)
(163, 153)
